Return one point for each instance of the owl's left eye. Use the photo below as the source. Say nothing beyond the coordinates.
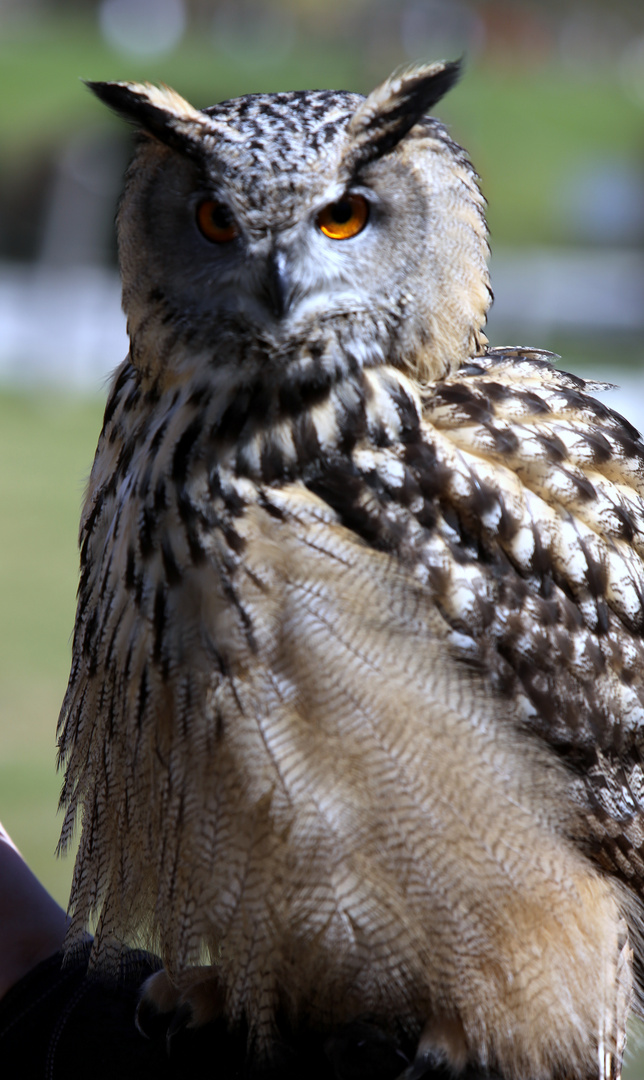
(216, 222)
(343, 219)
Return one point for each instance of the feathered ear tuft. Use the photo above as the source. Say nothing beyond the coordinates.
(393, 108)
(159, 110)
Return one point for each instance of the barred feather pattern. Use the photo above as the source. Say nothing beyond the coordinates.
(353, 731)
(361, 680)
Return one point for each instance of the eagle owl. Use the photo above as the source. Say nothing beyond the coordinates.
(355, 717)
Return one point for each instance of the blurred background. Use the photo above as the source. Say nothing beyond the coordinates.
(551, 109)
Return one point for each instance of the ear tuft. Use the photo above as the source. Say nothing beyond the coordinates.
(159, 110)
(392, 109)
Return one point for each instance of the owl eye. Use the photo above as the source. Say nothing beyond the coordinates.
(216, 222)
(344, 219)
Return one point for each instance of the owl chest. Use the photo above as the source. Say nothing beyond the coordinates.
(286, 706)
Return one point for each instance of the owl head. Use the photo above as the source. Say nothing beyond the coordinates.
(315, 221)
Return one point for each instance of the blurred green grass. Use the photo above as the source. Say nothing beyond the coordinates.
(47, 443)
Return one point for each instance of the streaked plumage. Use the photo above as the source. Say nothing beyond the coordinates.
(356, 702)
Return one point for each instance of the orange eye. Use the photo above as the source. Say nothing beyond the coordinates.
(344, 219)
(216, 222)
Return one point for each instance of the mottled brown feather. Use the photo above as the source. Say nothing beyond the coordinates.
(354, 719)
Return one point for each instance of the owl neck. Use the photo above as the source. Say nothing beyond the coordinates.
(300, 359)
(271, 421)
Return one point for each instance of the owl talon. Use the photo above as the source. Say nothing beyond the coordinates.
(420, 1067)
(181, 1018)
(158, 997)
(162, 1007)
(144, 1015)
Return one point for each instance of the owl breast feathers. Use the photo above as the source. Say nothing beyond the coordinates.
(354, 723)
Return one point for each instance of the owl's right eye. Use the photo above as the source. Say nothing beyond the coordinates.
(216, 222)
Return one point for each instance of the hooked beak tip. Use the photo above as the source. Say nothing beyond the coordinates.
(278, 288)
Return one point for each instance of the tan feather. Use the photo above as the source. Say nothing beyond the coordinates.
(354, 722)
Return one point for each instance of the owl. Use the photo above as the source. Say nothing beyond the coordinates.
(354, 726)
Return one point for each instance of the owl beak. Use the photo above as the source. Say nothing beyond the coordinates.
(278, 290)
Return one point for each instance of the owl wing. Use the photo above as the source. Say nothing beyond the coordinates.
(519, 501)
(557, 488)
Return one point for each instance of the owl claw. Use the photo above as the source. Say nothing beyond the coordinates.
(143, 1014)
(160, 998)
(420, 1067)
(197, 1003)
(181, 1018)
(163, 1011)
